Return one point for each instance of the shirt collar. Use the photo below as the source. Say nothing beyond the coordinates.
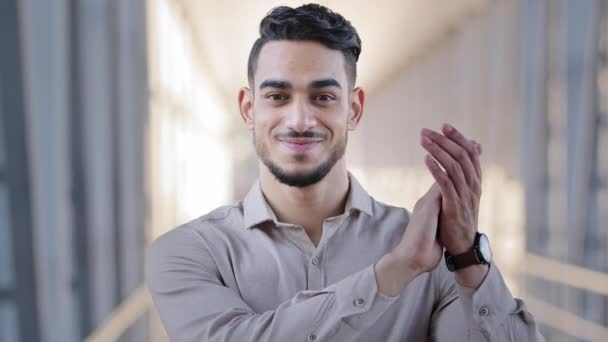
(256, 209)
(358, 198)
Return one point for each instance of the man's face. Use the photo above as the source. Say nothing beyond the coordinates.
(301, 110)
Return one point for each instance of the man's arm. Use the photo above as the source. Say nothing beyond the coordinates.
(489, 310)
(195, 305)
(486, 313)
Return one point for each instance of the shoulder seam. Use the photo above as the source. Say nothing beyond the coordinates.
(202, 219)
(221, 218)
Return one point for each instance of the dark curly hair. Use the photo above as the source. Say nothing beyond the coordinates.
(309, 22)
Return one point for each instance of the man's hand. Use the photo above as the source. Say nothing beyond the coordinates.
(460, 185)
(449, 210)
(419, 248)
(418, 251)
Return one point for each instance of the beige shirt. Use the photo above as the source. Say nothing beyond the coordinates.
(237, 274)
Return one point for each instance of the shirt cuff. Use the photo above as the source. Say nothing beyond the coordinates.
(487, 307)
(358, 300)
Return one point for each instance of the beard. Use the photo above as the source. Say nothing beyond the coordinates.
(301, 179)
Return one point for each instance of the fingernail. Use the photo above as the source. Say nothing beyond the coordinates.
(448, 127)
(426, 141)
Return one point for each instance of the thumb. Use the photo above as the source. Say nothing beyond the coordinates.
(432, 199)
(434, 193)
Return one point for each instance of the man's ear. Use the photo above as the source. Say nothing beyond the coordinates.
(246, 106)
(356, 108)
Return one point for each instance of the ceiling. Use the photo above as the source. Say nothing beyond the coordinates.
(392, 33)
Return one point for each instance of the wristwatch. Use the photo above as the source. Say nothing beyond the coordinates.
(479, 254)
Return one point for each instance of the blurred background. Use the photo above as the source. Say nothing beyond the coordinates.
(119, 121)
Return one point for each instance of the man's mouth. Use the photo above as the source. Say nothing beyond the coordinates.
(300, 144)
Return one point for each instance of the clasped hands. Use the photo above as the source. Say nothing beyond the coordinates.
(447, 215)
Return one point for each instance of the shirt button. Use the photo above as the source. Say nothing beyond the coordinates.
(359, 302)
(315, 260)
(311, 337)
(484, 311)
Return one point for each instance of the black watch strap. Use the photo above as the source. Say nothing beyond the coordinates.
(466, 259)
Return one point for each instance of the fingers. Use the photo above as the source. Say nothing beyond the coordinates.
(472, 147)
(451, 166)
(464, 151)
(478, 146)
(442, 181)
(457, 152)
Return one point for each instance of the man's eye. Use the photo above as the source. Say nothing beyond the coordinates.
(324, 98)
(276, 97)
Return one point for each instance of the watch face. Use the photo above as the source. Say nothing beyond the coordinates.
(484, 248)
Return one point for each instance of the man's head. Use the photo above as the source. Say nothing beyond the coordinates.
(301, 102)
(310, 22)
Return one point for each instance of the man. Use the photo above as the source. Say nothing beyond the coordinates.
(308, 255)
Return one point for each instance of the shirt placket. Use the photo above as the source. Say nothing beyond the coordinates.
(316, 269)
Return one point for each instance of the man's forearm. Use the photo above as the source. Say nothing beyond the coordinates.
(393, 275)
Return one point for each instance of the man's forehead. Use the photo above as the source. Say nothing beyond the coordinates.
(299, 62)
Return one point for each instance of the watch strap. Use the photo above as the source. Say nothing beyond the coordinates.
(466, 259)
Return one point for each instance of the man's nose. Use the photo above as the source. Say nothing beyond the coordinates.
(300, 117)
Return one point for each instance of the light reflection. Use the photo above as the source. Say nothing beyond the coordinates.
(189, 162)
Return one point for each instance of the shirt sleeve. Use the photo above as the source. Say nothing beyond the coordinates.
(195, 305)
(489, 313)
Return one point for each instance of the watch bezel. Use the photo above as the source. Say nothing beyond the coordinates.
(480, 239)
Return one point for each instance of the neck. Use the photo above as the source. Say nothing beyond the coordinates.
(308, 206)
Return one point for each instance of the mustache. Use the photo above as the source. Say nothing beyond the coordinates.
(296, 134)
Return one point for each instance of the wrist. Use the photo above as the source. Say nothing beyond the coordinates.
(472, 276)
(462, 245)
(478, 254)
(393, 273)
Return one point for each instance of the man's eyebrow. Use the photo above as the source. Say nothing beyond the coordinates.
(275, 84)
(328, 82)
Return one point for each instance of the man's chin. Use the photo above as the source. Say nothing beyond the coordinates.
(298, 181)
(304, 170)
(299, 177)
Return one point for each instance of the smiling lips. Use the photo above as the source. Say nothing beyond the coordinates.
(300, 144)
